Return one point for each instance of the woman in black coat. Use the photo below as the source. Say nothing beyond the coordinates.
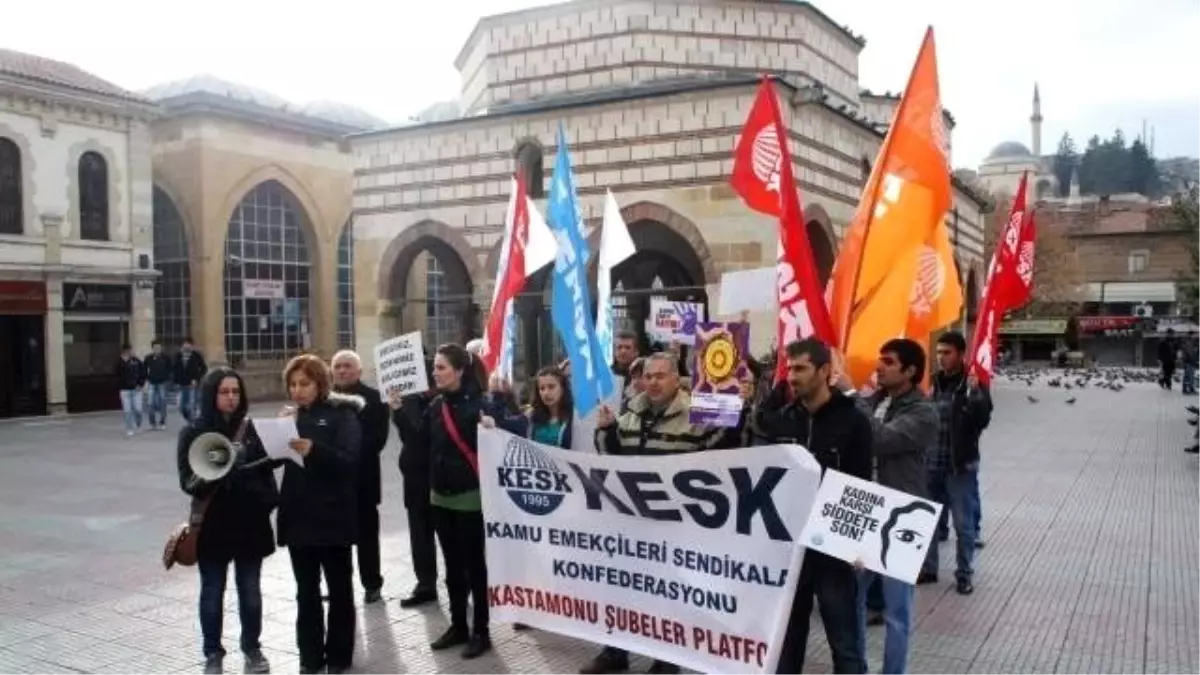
(237, 524)
(318, 512)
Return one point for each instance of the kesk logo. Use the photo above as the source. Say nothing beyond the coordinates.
(531, 478)
(930, 282)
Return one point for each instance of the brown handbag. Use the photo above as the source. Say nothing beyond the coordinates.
(183, 542)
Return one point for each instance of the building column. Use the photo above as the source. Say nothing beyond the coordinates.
(323, 298)
(208, 295)
(56, 367)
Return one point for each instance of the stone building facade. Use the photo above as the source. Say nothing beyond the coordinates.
(652, 97)
(252, 225)
(76, 280)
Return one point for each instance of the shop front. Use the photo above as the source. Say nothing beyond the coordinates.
(95, 324)
(1113, 340)
(23, 308)
(1033, 340)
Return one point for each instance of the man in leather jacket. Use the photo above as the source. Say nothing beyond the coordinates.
(806, 411)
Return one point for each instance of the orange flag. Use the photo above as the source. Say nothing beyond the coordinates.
(937, 296)
(905, 199)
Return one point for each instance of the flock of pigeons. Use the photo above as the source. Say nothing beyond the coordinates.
(1112, 379)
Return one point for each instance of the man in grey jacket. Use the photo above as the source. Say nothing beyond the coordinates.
(905, 428)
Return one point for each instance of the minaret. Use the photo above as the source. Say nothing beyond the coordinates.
(1073, 197)
(1035, 123)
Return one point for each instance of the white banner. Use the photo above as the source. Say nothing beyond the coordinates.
(400, 366)
(263, 288)
(857, 520)
(689, 558)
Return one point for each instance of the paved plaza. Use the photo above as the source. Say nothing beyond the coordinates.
(1089, 514)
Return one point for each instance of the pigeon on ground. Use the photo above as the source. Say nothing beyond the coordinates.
(1071, 401)
(1032, 399)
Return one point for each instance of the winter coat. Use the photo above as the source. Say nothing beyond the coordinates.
(319, 501)
(907, 433)
(159, 368)
(838, 434)
(373, 421)
(131, 374)
(970, 414)
(237, 523)
(450, 473)
(189, 368)
(640, 431)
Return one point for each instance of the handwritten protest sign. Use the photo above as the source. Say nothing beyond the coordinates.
(690, 558)
(888, 530)
(400, 366)
(674, 321)
(720, 370)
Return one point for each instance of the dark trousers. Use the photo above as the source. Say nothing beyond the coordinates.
(460, 534)
(247, 575)
(421, 539)
(1168, 375)
(319, 645)
(834, 585)
(368, 547)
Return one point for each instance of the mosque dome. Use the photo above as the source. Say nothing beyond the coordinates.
(1009, 150)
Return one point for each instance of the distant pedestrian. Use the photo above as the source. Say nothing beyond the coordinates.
(189, 369)
(159, 371)
(1168, 350)
(131, 378)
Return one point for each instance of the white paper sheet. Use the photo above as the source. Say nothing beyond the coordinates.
(748, 291)
(275, 432)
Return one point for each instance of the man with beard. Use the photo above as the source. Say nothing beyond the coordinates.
(373, 420)
(807, 411)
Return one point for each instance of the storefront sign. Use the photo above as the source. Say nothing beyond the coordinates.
(97, 298)
(22, 297)
(1034, 327)
(1105, 324)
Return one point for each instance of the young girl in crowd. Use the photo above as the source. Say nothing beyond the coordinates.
(552, 410)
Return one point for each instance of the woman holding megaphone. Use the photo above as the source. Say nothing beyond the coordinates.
(318, 512)
(237, 519)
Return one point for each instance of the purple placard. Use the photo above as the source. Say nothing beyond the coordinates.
(719, 371)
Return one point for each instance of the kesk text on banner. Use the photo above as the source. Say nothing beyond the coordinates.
(692, 558)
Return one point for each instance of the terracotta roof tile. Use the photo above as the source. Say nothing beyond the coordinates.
(57, 73)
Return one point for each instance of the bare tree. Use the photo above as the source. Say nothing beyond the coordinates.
(1057, 272)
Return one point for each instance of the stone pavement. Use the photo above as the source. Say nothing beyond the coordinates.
(1089, 513)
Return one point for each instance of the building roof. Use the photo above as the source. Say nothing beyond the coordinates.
(1010, 150)
(338, 117)
(41, 70)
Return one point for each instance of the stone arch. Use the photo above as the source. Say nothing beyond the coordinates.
(530, 155)
(1044, 189)
(30, 225)
(176, 197)
(972, 290)
(311, 223)
(460, 266)
(118, 229)
(174, 257)
(822, 239)
(705, 272)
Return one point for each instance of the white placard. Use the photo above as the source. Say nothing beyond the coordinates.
(689, 558)
(675, 321)
(888, 530)
(274, 434)
(400, 366)
(263, 288)
(748, 291)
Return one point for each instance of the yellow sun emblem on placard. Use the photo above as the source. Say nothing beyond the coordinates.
(720, 357)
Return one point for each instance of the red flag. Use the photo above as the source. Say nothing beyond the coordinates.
(1024, 264)
(1005, 288)
(510, 277)
(763, 176)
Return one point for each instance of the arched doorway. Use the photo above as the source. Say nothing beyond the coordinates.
(822, 250)
(173, 291)
(267, 276)
(430, 289)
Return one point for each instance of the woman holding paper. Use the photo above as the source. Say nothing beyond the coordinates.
(450, 430)
(318, 514)
(237, 521)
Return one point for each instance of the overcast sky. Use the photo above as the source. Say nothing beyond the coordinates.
(1102, 64)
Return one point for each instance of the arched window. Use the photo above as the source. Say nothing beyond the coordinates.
(93, 197)
(442, 321)
(267, 273)
(345, 287)
(529, 163)
(173, 293)
(11, 213)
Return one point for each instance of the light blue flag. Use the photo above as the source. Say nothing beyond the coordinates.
(570, 308)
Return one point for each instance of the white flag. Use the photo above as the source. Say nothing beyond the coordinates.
(542, 247)
(615, 247)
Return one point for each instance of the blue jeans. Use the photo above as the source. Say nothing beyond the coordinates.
(1189, 379)
(131, 405)
(158, 404)
(959, 493)
(897, 616)
(187, 402)
(247, 576)
(943, 527)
